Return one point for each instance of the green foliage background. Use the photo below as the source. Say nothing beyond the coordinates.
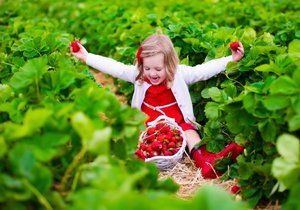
(55, 151)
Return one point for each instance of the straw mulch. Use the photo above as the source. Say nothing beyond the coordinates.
(189, 178)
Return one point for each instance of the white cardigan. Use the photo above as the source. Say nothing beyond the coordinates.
(184, 76)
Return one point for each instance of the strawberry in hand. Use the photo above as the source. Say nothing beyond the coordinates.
(237, 50)
(75, 46)
(78, 51)
(234, 46)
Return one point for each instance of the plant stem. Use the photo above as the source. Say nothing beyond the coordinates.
(37, 193)
(72, 166)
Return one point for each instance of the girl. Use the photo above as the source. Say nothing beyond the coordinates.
(161, 88)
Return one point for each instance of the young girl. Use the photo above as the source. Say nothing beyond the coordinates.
(161, 88)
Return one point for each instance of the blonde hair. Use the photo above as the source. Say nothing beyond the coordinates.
(159, 43)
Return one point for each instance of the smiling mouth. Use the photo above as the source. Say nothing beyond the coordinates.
(154, 79)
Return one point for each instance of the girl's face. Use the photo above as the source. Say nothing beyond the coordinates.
(154, 69)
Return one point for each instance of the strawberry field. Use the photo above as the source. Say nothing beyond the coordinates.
(66, 142)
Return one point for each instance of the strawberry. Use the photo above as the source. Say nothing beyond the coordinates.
(161, 138)
(150, 138)
(169, 136)
(173, 139)
(150, 131)
(234, 46)
(171, 145)
(156, 146)
(165, 129)
(143, 146)
(235, 189)
(168, 153)
(159, 126)
(75, 46)
(140, 154)
(148, 149)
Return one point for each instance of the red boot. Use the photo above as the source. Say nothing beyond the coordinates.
(205, 160)
(232, 150)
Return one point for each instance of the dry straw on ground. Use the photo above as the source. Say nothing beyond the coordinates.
(189, 178)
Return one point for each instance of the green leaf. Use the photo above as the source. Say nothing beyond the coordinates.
(204, 93)
(232, 67)
(275, 102)
(32, 122)
(286, 172)
(83, 126)
(210, 198)
(288, 147)
(293, 199)
(30, 73)
(283, 85)
(294, 123)
(5, 92)
(99, 144)
(249, 35)
(249, 102)
(267, 130)
(3, 147)
(212, 110)
(215, 94)
(294, 47)
(265, 68)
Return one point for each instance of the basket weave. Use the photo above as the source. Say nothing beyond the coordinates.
(166, 162)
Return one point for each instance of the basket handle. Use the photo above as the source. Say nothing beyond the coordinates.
(161, 117)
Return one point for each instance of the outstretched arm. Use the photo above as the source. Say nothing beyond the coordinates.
(211, 68)
(106, 65)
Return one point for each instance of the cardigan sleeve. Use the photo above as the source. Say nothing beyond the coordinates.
(112, 67)
(193, 74)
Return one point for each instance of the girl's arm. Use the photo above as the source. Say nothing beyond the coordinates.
(193, 74)
(211, 68)
(107, 65)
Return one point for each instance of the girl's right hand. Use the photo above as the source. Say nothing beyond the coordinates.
(81, 54)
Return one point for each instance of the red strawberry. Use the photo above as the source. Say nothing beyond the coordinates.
(159, 126)
(171, 145)
(168, 153)
(149, 149)
(176, 150)
(161, 138)
(156, 146)
(234, 46)
(235, 189)
(75, 46)
(173, 139)
(165, 129)
(150, 138)
(169, 136)
(150, 131)
(143, 146)
(140, 154)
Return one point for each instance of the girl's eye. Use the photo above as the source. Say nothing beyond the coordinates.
(158, 69)
(146, 69)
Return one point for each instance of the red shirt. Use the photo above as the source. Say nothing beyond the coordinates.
(160, 95)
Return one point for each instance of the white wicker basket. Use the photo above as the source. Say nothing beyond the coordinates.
(166, 162)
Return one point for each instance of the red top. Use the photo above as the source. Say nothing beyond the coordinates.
(159, 95)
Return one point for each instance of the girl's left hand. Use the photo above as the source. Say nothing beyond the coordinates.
(239, 53)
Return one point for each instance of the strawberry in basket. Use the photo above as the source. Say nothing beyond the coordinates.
(159, 140)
